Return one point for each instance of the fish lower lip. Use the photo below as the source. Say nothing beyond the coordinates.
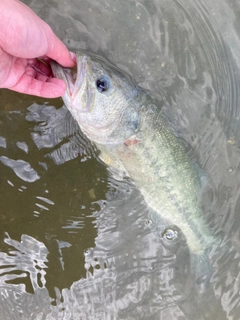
(69, 81)
(81, 68)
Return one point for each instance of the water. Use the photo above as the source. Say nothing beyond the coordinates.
(78, 244)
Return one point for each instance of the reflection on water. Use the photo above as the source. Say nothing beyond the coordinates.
(74, 242)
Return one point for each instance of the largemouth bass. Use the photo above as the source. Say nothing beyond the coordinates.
(133, 137)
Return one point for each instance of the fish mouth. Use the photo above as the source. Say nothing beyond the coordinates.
(72, 77)
(80, 75)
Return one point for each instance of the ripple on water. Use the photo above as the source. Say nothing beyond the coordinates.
(127, 271)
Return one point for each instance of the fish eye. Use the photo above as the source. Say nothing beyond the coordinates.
(102, 84)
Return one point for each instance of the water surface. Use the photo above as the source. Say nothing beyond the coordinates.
(78, 244)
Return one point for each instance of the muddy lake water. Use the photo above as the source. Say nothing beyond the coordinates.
(75, 243)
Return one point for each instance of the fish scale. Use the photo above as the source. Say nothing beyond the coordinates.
(166, 178)
(135, 139)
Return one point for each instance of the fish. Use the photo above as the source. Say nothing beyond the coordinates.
(135, 139)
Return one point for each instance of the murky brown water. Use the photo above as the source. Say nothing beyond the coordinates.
(74, 242)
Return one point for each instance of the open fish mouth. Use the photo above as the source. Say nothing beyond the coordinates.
(72, 77)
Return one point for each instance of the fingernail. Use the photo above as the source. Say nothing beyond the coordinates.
(73, 56)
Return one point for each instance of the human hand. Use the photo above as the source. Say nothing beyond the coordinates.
(24, 38)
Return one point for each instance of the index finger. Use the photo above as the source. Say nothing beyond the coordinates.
(45, 87)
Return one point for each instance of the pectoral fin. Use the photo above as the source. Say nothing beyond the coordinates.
(111, 159)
